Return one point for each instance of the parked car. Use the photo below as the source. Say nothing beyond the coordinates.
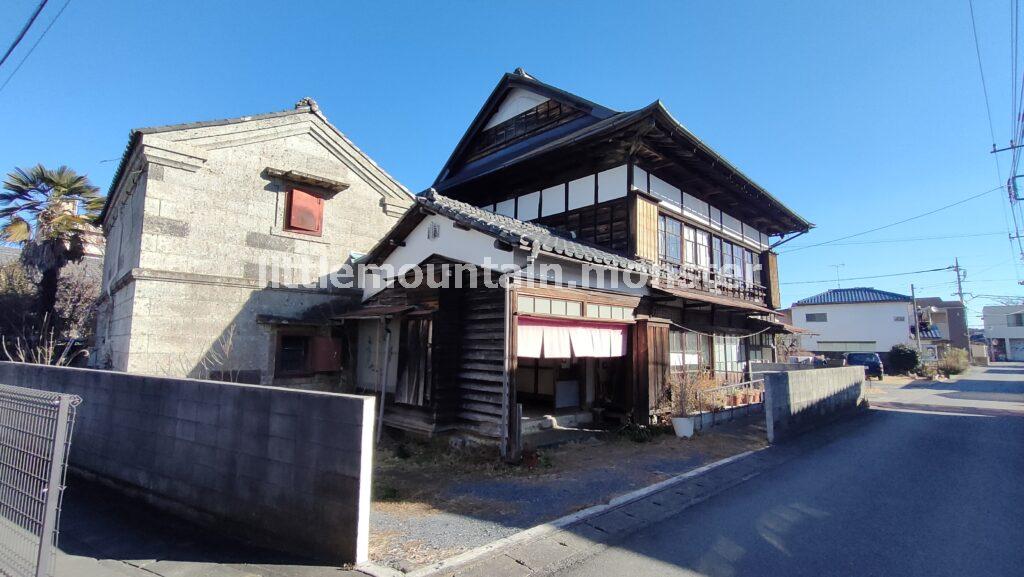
(870, 361)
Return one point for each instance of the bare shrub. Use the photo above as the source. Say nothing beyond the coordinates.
(683, 391)
(40, 345)
(954, 363)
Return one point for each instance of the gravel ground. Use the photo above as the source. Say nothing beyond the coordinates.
(432, 503)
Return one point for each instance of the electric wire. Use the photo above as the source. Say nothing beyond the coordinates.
(36, 43)
(869, 277)
(24, 30)
(892, 224)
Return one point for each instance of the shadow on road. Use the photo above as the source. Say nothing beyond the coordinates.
(98, 522)
(919, 485)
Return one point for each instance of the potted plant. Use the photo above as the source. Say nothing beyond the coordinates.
(686, 391)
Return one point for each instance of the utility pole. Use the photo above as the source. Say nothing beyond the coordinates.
(963, 308)
(917, 321)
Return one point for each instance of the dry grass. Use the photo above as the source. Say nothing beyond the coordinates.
(412, 476)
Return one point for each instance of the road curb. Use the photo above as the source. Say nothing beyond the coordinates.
(475, 554)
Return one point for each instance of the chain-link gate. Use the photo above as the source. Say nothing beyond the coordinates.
(35, 433)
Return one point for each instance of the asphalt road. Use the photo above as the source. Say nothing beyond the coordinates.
(930, 483)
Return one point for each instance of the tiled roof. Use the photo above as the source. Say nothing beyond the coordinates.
(524, 234)
(853, 295)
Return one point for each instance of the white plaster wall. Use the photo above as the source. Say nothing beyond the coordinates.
(467, 246)
(994, 318)
(517, 102)
(856, 322)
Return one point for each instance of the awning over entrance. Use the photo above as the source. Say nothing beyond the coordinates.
(778, 327)
(551, 339)
(709, 298)
(375, 311)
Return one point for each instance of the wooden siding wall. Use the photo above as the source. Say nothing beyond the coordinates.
(770, 279)
(650, 366)
(481, 364)
(646, 229)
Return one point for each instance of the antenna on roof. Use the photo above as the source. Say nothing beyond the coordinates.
(837, 267)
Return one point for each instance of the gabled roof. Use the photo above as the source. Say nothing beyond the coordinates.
(304, 106)
(520, 79)
(853, 295)
(597, 126)
(518, 233)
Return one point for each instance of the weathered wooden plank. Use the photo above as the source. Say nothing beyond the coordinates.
(485, 408)
(479, 417)
(481, 387)
(484, 355)
(496, 366)
(480, 397)
(481, 376)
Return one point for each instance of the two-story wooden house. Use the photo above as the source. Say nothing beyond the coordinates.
(663, 252)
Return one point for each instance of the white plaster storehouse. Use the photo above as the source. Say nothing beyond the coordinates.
(194, 210)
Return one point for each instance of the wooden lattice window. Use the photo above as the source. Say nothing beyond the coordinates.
(305, 212)
(543, 115)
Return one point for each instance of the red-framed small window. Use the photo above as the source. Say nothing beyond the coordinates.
(305, 212)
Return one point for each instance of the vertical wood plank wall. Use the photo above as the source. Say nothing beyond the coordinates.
(650, 366)
(770, 278)
(646, 229)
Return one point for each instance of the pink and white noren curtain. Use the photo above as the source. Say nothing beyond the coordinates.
(553, 339)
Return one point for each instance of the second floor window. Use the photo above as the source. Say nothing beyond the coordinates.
(817, 317)
(669, 239)
(1015, 320)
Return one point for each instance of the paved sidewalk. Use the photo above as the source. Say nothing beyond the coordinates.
(552, 550)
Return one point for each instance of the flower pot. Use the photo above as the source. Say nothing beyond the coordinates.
(683, 426)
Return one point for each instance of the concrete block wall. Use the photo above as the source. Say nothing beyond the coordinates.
(289, 469)
(795, 401)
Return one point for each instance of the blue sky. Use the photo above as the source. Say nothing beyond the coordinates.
(855, 114)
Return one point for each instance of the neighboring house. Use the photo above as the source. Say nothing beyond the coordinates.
(854, 320)
(943, 325)
(194, 213)
(1004, 330)
(544, 177)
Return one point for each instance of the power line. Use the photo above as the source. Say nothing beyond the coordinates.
(32, 49)
(897, 223)
(869, 277)
(24, 31)
(910, 239)
(992, 132)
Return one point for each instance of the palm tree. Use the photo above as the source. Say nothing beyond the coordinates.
(46, 210)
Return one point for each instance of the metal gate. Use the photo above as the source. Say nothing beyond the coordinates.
(35, 433)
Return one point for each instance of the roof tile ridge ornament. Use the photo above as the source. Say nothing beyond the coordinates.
(308, 102)
(520, 72)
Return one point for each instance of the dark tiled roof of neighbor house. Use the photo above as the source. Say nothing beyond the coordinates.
(522, 233)
(853, 295)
